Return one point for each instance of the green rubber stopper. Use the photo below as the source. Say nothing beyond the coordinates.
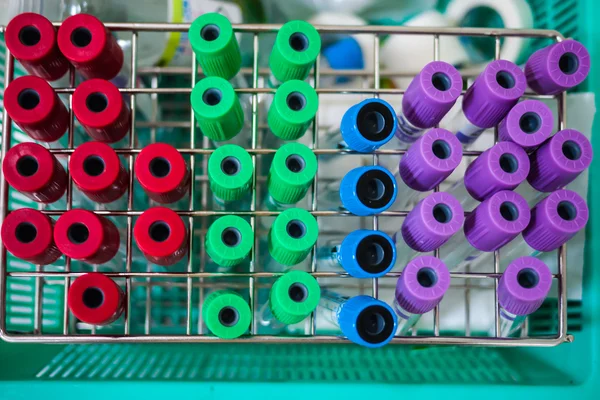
(217, 108)
(230, 172)
(215, 45)
(296, 48)
(292, 172)
(293, 109)
(229, 240)
(226, 314)
(293, 234)
(294, 296)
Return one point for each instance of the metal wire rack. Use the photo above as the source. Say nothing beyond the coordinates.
(193, 280)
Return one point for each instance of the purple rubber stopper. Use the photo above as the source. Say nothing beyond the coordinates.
(555, 220)
(527, 124)
(524, 285)
(422, 285)
(495, 91)
(430, 160)
(431, 94)
(501, 167)
(432, 222)
(497, 221)
(559, 161)
(558, 67)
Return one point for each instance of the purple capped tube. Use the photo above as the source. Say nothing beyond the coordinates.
(527, 124)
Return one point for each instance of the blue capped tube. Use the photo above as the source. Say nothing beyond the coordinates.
(368, 190)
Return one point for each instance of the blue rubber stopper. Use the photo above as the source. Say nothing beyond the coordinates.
(368, 190)
(367, 321)
(367, 254)
(368, 125)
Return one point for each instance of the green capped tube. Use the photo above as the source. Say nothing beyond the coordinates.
(292, 172)
(226, 314)
(294, 296)
(229, 240)
(292, 236)
(217, 108)
(230, 173)
(215, 45)
(293, 109)
(295, 50)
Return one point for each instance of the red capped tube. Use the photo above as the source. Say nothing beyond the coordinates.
(90, 47)
(97, 172)
(96, 299)
(28, 235)
(161, 235)
(32, 170)
(83, 235)
(34, 105)
(101, 110)
(162, 172)
(31, 39)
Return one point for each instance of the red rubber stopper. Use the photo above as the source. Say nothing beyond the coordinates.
(34, 105)
(162, 173)
(97, 172)
(27, 234)
(96, 299)
(161, 235)
(90, 47)
(99, 107)
(31, 39)
(83, 235)
(32, 170)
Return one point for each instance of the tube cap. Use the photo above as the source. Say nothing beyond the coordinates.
(292, 236)
(368, 125)
(558, 67)
(230, 172)
(294, 296)
(430, 160)
(493, 93)
(96, 299)
(497, 220)
(368, 190)
(432, 222)
(555, 220)
(345, 53)
(422, 285)
(367, 321)
(367, 254)
(502, 167)
(226, 314)
(431, 94)
(217, 108)
(293, 109)
(295, 50)
(161, 235)
(292, 172)
(214, 43)
(524, 285)
(560, 160)
(528, 124)
(229, 240)
(28, 235)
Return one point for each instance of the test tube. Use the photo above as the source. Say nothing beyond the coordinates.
(229, 240)
(161, 235)
(420, 288)
(230, 173)
(36, 108)
(366, 191)
(31, 38)
(558, 67)
(96, 299)
(344, 53)
(293, 109)
(35, 172)
(491, 96)
(292, 236)
(527, 124)
(226, 314)
(522, 289)
(364, 320)
(28, 235)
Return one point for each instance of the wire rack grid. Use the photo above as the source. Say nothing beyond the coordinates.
(198, 279)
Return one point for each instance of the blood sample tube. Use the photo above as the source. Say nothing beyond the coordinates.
(101, 110)
(230, 173)
(34, 106)
(226, 314)
(35, 172)
(527, 124)
(368, 190)
(292, 236)
(229, 240)
(96, 299)
(293, 109)
(31, 39)
(90, 47)
(83, 235)
(161, 235)
(28, 235)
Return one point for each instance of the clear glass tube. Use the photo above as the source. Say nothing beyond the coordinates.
(407, 196)
(406, 320)
(458, 250)
(407, 133)
(459, 191)
(332, 303)
(510, 324)
(329, 197)
(267, 319)
(468, 133)
(327, 255)
(404, 253)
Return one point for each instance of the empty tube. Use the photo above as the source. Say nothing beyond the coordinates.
(368, 190)
(230, 171)
(226, 314)
(161, 235)
(292, 236)
(96, 299)
(229, 240)
(527, 124)
(293, 109)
